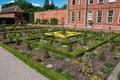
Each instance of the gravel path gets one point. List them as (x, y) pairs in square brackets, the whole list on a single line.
[(12, 68), (113, 75)]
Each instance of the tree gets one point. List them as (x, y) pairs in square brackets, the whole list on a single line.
[(46, 5), (64, 6), (52, 6)]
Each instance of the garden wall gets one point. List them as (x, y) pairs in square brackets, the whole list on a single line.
[(59, 14)]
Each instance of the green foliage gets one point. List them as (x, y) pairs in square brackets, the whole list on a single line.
[(29, 54), (70, 48), (8, 5), (112, 47), (59, 70), (31, 17), (68, 75), (118, 76), (45, 54), (46, 5), (45, 21), (102, 56), (92, 55), (75, 62), (38, 21), (54, 21), (51, 5), (95, 78), (51, 75), (108, 64), (64, 6), (58, 57), (90, 22), (105, 69)]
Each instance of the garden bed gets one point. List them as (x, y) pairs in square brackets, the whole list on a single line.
[(70, 57)]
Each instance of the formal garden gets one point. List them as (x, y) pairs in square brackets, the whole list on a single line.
[(63, 54)]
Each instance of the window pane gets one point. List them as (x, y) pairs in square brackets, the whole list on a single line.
[(89, 15), (100, 1), (73, 16), (73, 2), (79, 16), (91, 1), (99, 16), (111, 0), (80, 2)]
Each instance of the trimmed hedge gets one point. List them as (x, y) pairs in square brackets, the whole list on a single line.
[(79, 51), (51, 75), (83, 50), (50, 48)]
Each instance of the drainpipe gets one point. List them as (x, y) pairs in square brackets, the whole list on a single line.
[(86, 11), (67, 13)]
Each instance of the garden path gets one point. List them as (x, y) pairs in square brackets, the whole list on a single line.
[(11, 68), (113, 75)]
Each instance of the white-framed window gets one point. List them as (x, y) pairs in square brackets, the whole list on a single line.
[(100, 1), (99, 16), (73, 16), (119, 17), (90, 1), (73, 2), (90, 15), (110, 16), (80, 2), (79, 16), (111, 0)]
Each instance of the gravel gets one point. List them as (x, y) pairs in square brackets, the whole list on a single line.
[(11, 68)]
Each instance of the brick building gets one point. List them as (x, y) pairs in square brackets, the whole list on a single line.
[(103, 13), (12, 15), (59, 14)]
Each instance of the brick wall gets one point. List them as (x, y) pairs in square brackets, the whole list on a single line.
[(59, 14), (104, 7)]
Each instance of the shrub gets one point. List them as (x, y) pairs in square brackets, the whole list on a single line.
[(102, 56), (68, 75), (118, 76), (58, 57), (90, 22), (45, 21), (108, 64), (105, 69), (59, 70), (112, 48), (38, 21), (54, 21), (29, 54), (95, 78), (75, 62), (92, 55)]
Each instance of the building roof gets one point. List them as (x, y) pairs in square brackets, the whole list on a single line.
[(11, 9)]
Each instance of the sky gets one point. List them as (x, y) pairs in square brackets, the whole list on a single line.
[(58, 3)]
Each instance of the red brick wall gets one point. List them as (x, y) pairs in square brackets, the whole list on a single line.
[(105, 7), (59, 14)]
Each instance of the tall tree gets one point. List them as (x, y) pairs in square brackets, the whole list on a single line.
[(52, 5), (46, 5), (64, 6)]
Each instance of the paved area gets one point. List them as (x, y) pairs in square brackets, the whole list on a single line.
[(12, 68), (113, 75)]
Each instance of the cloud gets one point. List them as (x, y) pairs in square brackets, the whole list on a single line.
[(0, 7), (12, 1), (34, 4)]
